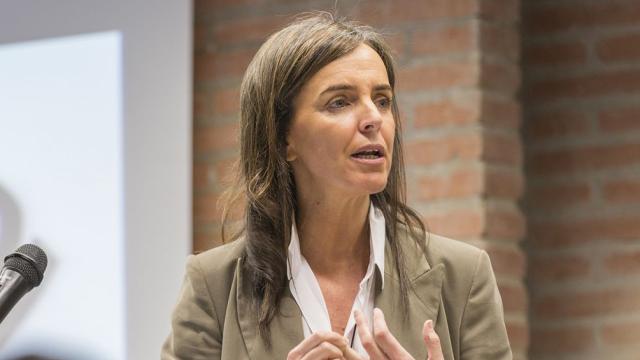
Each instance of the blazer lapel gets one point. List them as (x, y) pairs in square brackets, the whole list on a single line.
[(286, 327), (424, 302)]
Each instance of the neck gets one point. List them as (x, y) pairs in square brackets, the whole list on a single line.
[(334, 235)]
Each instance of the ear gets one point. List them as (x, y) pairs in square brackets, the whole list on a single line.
[(291, 152)]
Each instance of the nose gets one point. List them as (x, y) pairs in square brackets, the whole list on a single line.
[(370, 118)]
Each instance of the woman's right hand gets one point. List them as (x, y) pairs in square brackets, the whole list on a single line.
[(320, 345)]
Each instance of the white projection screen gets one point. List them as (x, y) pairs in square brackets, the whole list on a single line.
[(95, 168), (60, 150)]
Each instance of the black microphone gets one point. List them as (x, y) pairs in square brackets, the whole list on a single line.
[(22, 271)]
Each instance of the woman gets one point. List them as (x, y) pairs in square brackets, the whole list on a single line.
[(331, 263)]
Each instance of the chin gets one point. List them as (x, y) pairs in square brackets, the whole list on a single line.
[(374, 187)]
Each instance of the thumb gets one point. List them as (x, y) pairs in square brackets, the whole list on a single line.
[(432, 340)]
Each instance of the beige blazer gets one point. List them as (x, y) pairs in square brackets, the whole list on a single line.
[(454, 286)]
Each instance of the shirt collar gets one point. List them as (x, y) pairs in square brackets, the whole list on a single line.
[(377, 245)]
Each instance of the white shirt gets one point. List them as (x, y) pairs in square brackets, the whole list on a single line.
[(306, 290)]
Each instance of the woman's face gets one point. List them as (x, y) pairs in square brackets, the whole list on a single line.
[(341, 136)]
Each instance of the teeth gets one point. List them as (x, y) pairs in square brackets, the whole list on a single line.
[(367, 156)]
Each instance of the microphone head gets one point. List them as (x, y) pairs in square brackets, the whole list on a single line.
[(28, 260)]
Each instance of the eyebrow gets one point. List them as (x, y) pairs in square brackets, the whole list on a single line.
[(340, 87)]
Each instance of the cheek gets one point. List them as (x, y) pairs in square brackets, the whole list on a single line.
[(389, 133), (319, 147)]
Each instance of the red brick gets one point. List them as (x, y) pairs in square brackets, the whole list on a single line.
[(225, 170), (398, 42), (622, 191), (502, 149), (504, 183), (514, 298), (437, 76), (200, 176), (619, 119), (504, 114), (215, 138), (402, 11), (222, 64), (206, 210), (226, 101), (585, 304), (201, 105), (447, 111), (460, 183), (500, 40), (507, 260), (587, 158), (502, 77), (518, 336), (456, 147), (563, 53), (203, 66), (553, 196), (562, 340), (619, 48), (623, 333), (545, 269), (504, 224), (588, 85), (558, 18), (500, 10), (449, 39), (623, 263), (457, 224), (199, 37), (558, 123), (206, 239), (248, 29), (557, 234)]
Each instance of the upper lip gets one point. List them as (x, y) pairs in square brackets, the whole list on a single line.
[(371, 147)]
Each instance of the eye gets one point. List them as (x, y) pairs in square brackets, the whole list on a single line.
[(384, 102), (337, 103)]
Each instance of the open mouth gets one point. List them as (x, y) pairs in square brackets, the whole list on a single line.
[(368, 154)]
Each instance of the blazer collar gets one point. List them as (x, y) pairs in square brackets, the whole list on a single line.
[(285, 328), (424, 303)]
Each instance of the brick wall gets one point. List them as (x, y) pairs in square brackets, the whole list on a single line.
[(582, 136), (458, 78)]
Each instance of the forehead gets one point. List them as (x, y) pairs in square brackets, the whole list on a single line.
[(363, 66)]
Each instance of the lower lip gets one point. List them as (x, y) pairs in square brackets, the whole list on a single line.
[(376, 161)]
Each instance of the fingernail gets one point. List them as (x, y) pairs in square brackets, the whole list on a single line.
[(430, 324)]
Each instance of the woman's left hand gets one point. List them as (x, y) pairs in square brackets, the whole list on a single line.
[(382, 345)]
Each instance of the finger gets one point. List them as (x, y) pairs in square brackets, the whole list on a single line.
[(434, 349), (325, 350), (385, 340), (367, 340), (314, 340), (351, 354)]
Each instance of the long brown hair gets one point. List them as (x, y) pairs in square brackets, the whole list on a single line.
[(265, 184)]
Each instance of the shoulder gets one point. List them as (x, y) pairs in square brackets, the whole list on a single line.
[(465, 267), (217, 260), (460, 262), (216, 269), (452, 253)]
